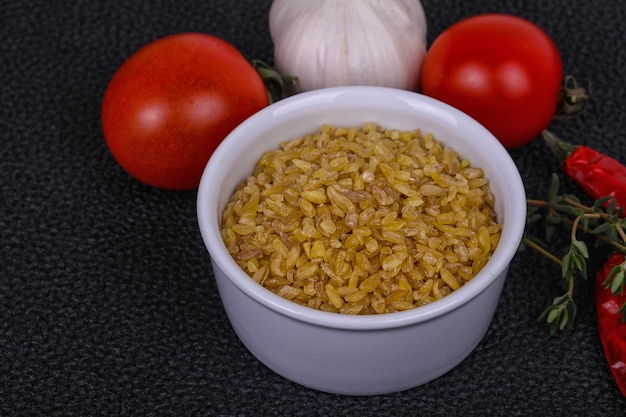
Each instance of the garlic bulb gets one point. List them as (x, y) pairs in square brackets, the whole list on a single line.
[(349, 42)]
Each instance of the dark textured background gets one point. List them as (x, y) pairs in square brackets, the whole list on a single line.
[(107, 303)]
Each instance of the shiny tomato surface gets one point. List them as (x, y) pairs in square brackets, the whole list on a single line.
[(502, 70), (172, 102)]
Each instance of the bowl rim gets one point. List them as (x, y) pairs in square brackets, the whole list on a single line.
[(209, 226)]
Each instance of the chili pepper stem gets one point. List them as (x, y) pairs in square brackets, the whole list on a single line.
[(561, 149)]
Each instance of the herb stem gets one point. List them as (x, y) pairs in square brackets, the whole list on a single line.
[(620, 230), (604, 239), (570, 289), (576, 204), (599, 221), (537, 203), (542, 251), (588, 213), (575, 225)]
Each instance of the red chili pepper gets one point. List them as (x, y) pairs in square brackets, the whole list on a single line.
[(598, 174), (612, 329)]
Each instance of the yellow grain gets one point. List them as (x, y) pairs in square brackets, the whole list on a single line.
[(362, 220)]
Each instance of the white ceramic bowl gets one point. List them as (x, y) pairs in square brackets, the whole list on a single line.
[(359, 355)]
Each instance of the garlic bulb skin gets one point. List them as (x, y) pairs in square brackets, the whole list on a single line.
[(328, 43)]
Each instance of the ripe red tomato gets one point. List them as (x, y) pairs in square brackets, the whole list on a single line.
[(172, 102), (502, 70)]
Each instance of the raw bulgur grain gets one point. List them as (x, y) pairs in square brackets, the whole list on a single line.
[(362, 220)]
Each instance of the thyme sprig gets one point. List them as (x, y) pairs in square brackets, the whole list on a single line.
[(596, 222)]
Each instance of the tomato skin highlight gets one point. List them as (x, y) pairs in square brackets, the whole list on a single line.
[(172, 102), (502, 70)]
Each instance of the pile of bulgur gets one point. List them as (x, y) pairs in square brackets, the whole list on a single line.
[(362, 220)]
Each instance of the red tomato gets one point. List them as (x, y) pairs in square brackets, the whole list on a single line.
[(172, 102), (502, 70)]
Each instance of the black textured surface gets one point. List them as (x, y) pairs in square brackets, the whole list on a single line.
[(107, 303)]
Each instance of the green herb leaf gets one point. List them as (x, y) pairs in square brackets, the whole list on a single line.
[(572, 311), (600, 202), (601, 229), (572, 197), (566, 265), (553, 189), (533, 215), (569, 211), (609, 278), (553, 315), (564, 319), (602, 221), (618, 282), (611, 208), (581, 247)]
